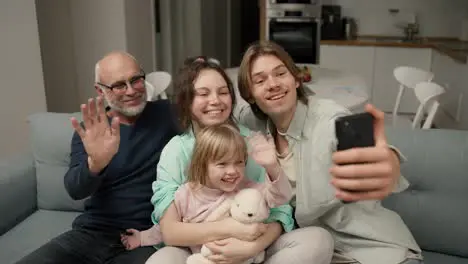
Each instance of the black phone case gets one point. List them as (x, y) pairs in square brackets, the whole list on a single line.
[(354, 131)]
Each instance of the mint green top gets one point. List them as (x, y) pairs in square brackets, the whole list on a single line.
[(171, 169)]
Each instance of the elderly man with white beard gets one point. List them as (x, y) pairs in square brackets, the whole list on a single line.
[(114, 153)]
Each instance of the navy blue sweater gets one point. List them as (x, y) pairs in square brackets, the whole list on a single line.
[(121, 193)]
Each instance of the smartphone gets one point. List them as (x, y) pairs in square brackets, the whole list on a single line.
[(355, 131)]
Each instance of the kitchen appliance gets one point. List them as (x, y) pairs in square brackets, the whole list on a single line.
[(296, 29), (349, 27), (310, 6), (291, 3), (331, 22), (307, 2)]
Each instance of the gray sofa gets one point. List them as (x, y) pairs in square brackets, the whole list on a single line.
[(35, 207)]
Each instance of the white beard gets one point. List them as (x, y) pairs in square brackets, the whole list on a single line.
[(129, 111)]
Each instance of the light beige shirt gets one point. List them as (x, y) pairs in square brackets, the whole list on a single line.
[(288, 164), (364, 231)]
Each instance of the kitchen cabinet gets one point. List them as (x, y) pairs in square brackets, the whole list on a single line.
[(375, 65), (351, 59), (385, 86), (453, 76)]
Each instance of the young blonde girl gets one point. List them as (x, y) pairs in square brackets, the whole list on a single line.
[(216, 172)]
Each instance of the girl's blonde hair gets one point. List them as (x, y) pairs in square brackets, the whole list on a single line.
[(215, 143)]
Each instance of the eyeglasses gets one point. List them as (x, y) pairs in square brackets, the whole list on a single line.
[(136, 82)]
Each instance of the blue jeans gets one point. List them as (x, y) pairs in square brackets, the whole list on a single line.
[(86, 246)]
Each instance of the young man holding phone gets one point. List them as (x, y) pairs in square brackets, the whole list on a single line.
[(303, 127)]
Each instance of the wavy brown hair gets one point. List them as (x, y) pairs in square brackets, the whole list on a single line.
[(255, 51), (185, 90), (213, 144)]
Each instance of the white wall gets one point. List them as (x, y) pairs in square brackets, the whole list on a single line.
[(58, 55), (98, 27), (437, 17), (75, 34), (139, 30), (22, 86)]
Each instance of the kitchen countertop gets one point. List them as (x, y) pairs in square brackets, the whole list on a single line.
[(456, 49)]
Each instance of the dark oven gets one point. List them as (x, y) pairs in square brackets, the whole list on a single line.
[(297, 32)]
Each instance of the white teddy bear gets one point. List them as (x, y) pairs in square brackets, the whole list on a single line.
[(248, 206)]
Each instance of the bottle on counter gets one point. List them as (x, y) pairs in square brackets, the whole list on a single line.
[(349, 28)]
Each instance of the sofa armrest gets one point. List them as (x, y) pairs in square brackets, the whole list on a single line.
[(18, 195)]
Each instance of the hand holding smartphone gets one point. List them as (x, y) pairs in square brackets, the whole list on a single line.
[(354, 131)]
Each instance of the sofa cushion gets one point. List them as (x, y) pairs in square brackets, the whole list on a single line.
[(51, 135), (437, 258), (18, 196), (434, 206), (33, 232)]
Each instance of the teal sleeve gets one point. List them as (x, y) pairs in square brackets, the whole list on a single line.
[(170, 176), (282, 214)]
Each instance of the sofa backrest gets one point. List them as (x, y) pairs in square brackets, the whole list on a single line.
[(434, 206), (51, 135)]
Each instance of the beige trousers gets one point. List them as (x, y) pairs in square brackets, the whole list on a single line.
[(408, 261), (304, 245), (172, 255)]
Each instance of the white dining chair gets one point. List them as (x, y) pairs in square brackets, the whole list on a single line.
[(407, 77), (156, 85), (428, 94)]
